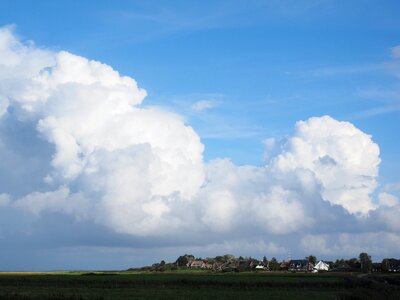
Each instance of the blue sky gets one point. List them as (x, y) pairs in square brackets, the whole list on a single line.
[(238, 72)]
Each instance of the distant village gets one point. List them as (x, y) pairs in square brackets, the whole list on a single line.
[(230, 263)]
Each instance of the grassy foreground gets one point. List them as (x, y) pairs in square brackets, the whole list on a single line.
[(197, 285)]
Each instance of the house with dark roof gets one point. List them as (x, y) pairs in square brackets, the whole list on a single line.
[(342, 267), (394, 266), (300, 265)]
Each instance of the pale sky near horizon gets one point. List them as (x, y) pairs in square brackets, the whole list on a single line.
[(135, 131)]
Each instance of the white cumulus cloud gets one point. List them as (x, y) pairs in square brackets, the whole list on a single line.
[(140, 171), (389, 200), (343, 159), (123, 157)]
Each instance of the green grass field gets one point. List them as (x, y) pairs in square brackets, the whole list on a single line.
[(197, 285)]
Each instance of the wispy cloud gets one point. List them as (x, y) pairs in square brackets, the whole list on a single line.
[(392, 186), (388, 99), (166, 19), (392, 66), (350, 69), (383, 95), (202, 105), (374, 112), (213, 115), (396, 52), (163, 20)]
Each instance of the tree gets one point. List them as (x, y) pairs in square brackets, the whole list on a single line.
[(183, 260), (354, 263), (385, 264), (312, 259), (229, 258), (366, 262), (219, 258), (273, 264)]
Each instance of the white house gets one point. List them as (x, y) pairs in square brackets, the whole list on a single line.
[(260, 267), (321, 266)]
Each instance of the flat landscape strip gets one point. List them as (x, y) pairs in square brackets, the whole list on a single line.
[(97, 285)]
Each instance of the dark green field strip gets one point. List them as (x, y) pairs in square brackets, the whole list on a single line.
[(262, 277), (198, 286), (126, 281), (166, 292), (196, 293)]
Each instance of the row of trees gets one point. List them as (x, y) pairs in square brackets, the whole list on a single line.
[(230, 262)]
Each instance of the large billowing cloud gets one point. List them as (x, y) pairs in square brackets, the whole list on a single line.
[(75, 134), (134, 161), (342, 158)]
